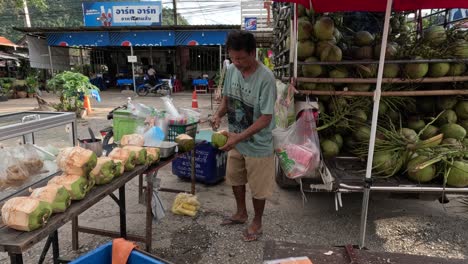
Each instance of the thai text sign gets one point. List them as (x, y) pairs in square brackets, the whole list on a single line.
[(109, 14)]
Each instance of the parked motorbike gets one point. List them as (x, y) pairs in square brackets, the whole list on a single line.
[(108, 132), (159, 88)]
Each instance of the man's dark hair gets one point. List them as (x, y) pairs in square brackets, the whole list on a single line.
[(241, 40)]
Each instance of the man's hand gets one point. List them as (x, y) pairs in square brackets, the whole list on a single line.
[(233, 139), (215, 122)]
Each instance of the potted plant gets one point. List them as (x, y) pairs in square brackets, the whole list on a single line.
[(32, 84), (71, 87), (20, 88)]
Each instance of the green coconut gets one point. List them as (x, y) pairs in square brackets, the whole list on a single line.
[(312, 70), (367, 71), (420, 175), (416, 70), (390, 51), (330, 149), (393, 115), (359, 87), (25, 213), (462, 110), (324, 28), (363, 38), (409, 134), (391, 70), (331, 53), (452, 142), (456, 69), (460, 49), (464, 124), (337, 35), (337, 103), (383, 108), (338, 139), (447, 117), (385, 163), (429, 132), (325, 87), (305, 29), (453, 131), (446, 102), (435, 35), (363, 53), (219, 139), (339, 72), (416, 124), (458, 175), (438, 69), (321, 45), (305, 49), (308, 86), (350, 142), (359, 115), (362, 133)]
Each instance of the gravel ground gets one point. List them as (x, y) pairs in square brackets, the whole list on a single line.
[(394, 225)]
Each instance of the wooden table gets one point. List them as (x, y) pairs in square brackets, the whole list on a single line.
[(16, 242)]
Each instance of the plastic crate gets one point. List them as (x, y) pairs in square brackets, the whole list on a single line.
[(210, 164), (103, 255), (125, 123), (174, 130)]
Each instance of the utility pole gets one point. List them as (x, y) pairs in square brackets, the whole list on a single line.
[(27, 21), (175, 11)]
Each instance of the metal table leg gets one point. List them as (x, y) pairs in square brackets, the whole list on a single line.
[(75, 244), (55, 247), (123, 218), (140, 189), (192, 174), (149, 215), (16, 258), (45, 250)]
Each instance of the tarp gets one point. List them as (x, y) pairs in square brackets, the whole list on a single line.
[(39, 56), (377, 5)]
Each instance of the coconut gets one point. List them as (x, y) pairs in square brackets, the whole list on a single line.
[(464, 124), (453, 131), (363, 38), (416, 70), (383, 108), (462, 110), (331, 53), (429, 132), (363, 53), (386, 163), (391, 70), (439, 69), (305, 49), (359, 115), (460, 49), (359, 87), (324, 28), (446, 102), (338, 103), (321, 45), (452, 142), (426, 104), (329, 148), (338, 139), (311, 70), (458, 175), (393, 115), (447, 117), (420, 175), (390, 51), (362, 133), (367, 71), (409, 134), (308, 86), (325, 87), (416, 124), (305, 29), (435, 35), (337, 35), (339, 72), (456, 69)]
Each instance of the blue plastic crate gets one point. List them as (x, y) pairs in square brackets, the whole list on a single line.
[(210, 164), (103, 255)]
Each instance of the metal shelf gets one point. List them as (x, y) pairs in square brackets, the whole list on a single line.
[(353, 62), (384, 80), (388, 93)]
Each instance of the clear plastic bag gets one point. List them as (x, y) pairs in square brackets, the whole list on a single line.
[(170, 107), (191, 115), (297, 147), (16, 172), (284, 105), (30, 158), (142, 110)]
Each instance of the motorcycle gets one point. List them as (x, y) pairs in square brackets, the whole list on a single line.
[(108, 132), (160, 88)]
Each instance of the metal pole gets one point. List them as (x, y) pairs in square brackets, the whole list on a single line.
[(375, 113), (27, 20), (133, 69), (151, 56), (50, 59), (174, 5)]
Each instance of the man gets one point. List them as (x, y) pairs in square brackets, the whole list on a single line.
[(248, 100), (152, 76)]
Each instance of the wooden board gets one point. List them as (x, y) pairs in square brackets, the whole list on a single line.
[(17, 241), (278, 250)]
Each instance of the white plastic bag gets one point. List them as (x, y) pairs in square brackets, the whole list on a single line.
[(284, 105), (297, 147), (170, 107)]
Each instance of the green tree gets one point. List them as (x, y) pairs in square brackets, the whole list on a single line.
[(168, 17), (19, 4)]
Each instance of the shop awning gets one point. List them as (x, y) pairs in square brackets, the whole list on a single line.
[(6, 42)]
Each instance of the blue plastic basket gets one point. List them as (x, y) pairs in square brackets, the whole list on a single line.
[(103, 255)]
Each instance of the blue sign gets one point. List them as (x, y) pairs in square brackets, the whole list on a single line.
[(78, 39), (110, 14), (142, 38), (250, 23), (195, 38)]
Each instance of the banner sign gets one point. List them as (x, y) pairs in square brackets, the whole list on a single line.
[(108, 14), (250, 23)]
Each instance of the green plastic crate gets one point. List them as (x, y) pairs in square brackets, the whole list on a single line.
[(125, 123), (175, 130)]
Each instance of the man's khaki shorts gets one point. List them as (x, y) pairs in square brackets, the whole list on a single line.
[(258, 172)]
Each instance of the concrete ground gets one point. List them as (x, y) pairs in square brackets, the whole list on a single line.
[(394, 225)]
